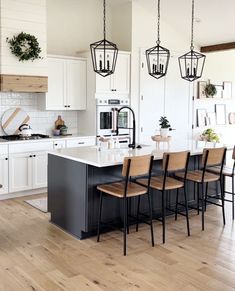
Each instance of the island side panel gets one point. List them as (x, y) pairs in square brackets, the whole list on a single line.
[(67, 194)]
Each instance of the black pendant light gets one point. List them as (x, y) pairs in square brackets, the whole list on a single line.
[(104, 53), (192, 63), (158, 56)]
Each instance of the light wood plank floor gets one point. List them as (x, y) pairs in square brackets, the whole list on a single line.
[(36, 255)]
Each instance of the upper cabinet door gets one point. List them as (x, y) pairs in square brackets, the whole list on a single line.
[(76, 84), (119, 82), (121, 77), (55, 98)]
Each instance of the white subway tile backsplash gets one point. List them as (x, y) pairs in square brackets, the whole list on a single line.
[(40, 121)]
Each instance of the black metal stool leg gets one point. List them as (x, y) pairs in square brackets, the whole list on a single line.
[(206, 195), (222, 198), (233, 197), (163, 218), (125, 224), (176, 205), (186, 208), (127, 218), (151, 217), (203, 219), (198, 199), (138, 212), (99, 217)]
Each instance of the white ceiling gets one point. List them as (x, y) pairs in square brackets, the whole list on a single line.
[(217, 19)]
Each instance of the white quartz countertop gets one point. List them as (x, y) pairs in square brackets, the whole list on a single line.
[(51, 138), (94, 157)]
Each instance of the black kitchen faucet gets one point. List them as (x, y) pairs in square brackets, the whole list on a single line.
[(133, 144)]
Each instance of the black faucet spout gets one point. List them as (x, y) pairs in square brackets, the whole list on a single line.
[(133, 144)]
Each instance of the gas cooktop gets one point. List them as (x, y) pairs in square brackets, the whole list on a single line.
[(16, 137)]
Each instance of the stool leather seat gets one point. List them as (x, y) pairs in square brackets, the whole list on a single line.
[(157, 183), (118, 189), (196, 176)]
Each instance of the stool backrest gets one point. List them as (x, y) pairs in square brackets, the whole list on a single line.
[(136, 166), (213, 157), (175, 161)]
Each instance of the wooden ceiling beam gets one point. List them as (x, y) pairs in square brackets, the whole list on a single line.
[(218, 47)]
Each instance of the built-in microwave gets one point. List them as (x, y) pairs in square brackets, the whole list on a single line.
[(106, 115)]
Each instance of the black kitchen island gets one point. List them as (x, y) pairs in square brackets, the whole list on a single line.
[(74, 173)]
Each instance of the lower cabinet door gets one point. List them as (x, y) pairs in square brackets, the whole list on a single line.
[(40, 170), (3, 174), (20, 172)]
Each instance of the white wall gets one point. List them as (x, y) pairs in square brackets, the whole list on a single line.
[(27, 16), (219, 67), (177, 102), (122, 25), (72, 25)]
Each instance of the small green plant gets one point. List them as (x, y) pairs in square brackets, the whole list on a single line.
[(164, 123), (210, 135), (210, 90)]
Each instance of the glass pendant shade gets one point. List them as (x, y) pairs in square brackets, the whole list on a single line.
[(104, 57), (157, 61), (191, 65), (104, 53)]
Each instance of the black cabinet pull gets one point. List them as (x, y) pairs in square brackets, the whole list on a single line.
[(56, 144), (34, 156), (81, 142), (66, 106), (113, 90), (6, 159), (69, 106), (30, 156)]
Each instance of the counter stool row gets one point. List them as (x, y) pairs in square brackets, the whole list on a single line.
[(138, 180)]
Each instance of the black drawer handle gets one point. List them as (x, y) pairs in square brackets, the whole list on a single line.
[(34, 156), (30, 156), (69, 106), (56, 144), (6, 159), (81, 142)]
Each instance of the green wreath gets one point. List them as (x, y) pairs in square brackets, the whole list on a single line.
[(25, 46)]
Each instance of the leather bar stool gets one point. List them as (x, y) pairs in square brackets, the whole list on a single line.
[(126, 189), (210, 157), (227, 172), (172, 162)]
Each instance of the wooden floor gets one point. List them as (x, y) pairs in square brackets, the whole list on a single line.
[(36, 255)]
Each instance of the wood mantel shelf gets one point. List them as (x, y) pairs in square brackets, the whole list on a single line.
[(23, 83), (218, 47)]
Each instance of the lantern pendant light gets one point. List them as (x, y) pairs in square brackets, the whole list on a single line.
[(192, 63), (158, 56), (104, 53)]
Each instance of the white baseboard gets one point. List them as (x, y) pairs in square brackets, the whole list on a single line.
[(23, 193)]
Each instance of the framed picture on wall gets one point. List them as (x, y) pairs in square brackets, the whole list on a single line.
[(227, 90), (201, 89), (220, 110), (201, 117)]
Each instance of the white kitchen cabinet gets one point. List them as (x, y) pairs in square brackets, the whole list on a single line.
[(20, 172), (39, 173), (4, 174), (119, 82), (66, 84), (81, 142)]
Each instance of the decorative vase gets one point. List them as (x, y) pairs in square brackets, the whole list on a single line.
[(164, 132)]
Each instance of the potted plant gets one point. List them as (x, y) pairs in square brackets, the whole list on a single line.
[(210, 135), (164, 126), (210, 90)]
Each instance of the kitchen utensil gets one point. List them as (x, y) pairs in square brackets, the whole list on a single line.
[(59, 122), (63, 130), (12, 119), (25, 130)]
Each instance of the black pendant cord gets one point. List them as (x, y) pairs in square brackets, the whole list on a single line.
[(158, 24), (104, 19), (192, 31)]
